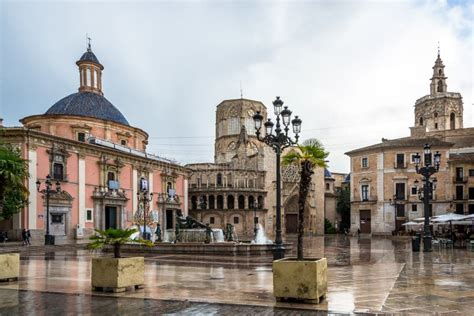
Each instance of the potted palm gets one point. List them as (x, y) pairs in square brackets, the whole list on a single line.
[(302, 278), (116, 273)]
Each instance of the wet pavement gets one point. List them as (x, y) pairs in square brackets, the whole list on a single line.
[(364, 276)]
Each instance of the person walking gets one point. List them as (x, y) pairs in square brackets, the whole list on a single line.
[(24, 236), (28, 237)]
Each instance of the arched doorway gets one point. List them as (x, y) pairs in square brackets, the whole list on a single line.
[(452, 121), (291, 216)]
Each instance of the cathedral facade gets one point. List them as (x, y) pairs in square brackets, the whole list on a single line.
[(238, 188), (383, 188)]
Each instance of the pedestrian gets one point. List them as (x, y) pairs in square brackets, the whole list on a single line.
[(28, 237), (358, 232), (24, 236)]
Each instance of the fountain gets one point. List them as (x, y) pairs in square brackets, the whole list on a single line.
[(193, 237), (218, 235), (260, 238)]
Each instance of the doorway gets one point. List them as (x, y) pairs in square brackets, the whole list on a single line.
[(110, 217), (169, 219), (365, 222), (291, 223)]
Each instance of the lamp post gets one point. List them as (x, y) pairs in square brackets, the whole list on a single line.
[(429, 168), (394, 203), (145, 197), (48, 239), (278, 141)]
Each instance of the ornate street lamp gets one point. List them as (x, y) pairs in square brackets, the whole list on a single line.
[(426, 191), (46, 192), (145, 197), (394, 203), (278, 141)]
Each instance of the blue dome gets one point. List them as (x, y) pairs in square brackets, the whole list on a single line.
[(348, 178), (327, 173), (89, 56), (88, 104)]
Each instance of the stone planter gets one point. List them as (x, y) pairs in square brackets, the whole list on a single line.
[(304, 280), (117, 274), (9, 266)]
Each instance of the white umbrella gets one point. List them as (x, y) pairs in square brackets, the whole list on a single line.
[(449, 217), (411, 223)]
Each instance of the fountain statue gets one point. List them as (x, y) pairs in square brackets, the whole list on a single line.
[(260, 237)]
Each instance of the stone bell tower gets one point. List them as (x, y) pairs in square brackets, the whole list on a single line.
[(231, 116), (440, 110)]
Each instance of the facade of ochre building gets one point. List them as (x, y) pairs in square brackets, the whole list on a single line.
[(383, 191), (239, 187), (86, 144)]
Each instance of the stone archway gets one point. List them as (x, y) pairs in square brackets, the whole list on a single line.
[(291, 216)]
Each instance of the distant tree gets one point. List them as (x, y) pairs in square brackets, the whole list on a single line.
[(343, 207), (307, 156), (13, 176)]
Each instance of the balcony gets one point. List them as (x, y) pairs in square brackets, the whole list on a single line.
[(399, 165), (457, 179), (458, 197), (368, 199)]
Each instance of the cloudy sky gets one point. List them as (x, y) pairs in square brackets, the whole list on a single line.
[(352, 70)]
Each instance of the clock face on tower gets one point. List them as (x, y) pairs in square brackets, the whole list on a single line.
[(251, 112)]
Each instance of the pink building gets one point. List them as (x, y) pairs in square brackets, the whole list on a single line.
[(86, 144)]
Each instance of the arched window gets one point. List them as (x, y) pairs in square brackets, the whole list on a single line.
[(251, 202), (230, 202), (203, 202), (260, 202), (219, 179), (421, 121), (212, 202), (440, 86), (435, 114), (440, 72), (220, 202), (241, 202), (452, 121), (194, 203), (89, 77), (95, 79)]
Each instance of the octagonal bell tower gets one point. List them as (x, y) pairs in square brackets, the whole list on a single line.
[(231, 116), (440, 110)]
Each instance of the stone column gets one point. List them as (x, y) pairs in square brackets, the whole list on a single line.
[(32, 206), (82, 190), (185, 198), (134, 191)]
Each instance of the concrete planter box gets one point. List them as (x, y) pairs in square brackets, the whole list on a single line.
[(117, 274), (9, 266), (304, 280)]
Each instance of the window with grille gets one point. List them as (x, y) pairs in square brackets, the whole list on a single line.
[(365, 162), (81, 137), (365, 192)]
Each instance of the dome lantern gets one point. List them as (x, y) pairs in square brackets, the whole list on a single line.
[(90, 72)]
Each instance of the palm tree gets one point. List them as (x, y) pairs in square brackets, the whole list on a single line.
[(13, 175), (307, 156), (114, 237)]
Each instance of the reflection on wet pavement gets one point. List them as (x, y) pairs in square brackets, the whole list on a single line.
[(366, 275)]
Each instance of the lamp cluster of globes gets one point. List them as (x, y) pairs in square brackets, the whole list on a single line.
[(286, 118)]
